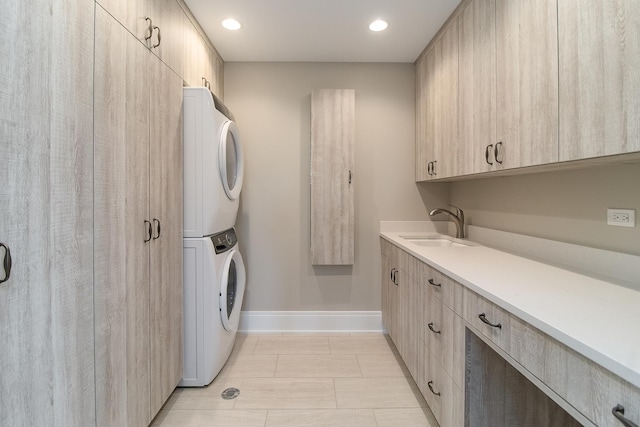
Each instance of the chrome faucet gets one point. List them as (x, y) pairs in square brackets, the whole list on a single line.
[(458, 219)]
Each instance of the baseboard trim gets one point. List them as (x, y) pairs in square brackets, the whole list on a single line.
[(310, 321)]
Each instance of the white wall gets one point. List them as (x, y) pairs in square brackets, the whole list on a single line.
[(568, 206), (271, 102)]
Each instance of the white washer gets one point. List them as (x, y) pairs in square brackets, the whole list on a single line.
[(214, 282), (213, 164)]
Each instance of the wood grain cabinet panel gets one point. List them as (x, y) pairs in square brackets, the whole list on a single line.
[(332, 146), (446, 108), (138, 228), (508, 90), (412, 311), (477, 87), (442, 287), (121, 207), (46, 199), (437, 108), (599, 57), (423, 152), (527, 82), (588, 387), (495, 325), (438, 390), (166, 188), (162, 32)]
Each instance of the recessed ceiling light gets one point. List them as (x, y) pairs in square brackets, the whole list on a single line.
[(378, 25), (231, 24)]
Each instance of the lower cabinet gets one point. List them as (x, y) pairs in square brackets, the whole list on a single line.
[(138, 228), (477, 364)]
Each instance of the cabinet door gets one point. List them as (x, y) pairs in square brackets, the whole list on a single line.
[(424, 147), (169, 18), (477, 87), (446, 103), (195, 56), (437, 108), (527, 82), (599, 80), (46, 197), (121, 207), (131, 14), (218, 72), (332, 211), (166, 247)]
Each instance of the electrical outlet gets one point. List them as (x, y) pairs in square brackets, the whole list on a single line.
[(621, 217)]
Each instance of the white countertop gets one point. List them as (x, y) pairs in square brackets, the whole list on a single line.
[(596, 318)]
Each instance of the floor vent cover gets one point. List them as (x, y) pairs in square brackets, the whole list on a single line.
[(230, 393)]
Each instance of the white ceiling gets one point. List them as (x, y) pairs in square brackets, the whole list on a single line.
[(321, 30)]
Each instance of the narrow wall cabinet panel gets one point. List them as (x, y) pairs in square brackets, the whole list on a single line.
[(138, 224), (437, 108), (425, 102), (332, 146), (121, 207), (527, 82), (477, 87), (599, 81), (446, 108), (46, 198), (166, 251)]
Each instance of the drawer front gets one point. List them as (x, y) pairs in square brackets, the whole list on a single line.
[(444, 336), (445, 400), (442, 287), (487, 318), (588, 387)]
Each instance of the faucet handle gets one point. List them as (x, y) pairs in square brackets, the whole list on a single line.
[(458, 210)]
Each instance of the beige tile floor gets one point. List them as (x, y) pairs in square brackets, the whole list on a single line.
[(305, 380)]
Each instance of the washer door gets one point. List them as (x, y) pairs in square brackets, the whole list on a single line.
[(231, 160), (232, 290)]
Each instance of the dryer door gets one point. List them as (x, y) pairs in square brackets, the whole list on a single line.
[(231, 160), (232, 290)]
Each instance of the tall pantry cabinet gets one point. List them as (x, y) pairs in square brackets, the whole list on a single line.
[(138, 217), (91, 207), (46, 199)]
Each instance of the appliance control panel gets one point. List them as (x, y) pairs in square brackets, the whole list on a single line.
[(225, 241)]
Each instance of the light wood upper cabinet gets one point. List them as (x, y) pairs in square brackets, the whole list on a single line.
[(527, 82), (162, 32), (437, 108), (599, 55), (425, 102), (446, 107), (332, 145), (477, 87), (46, 199), (508, 84)]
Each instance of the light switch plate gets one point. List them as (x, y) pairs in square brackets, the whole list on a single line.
[(621, 217)]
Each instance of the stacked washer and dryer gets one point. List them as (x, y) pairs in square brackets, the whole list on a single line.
[(214, 274)]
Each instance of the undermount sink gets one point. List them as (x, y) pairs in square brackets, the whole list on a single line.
[(436, 242)]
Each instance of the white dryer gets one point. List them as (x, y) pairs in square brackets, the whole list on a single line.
[(213, 164), (214, 282)]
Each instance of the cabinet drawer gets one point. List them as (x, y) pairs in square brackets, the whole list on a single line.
[(587, 386), (444, 398), (442, 287), (486, 317)]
